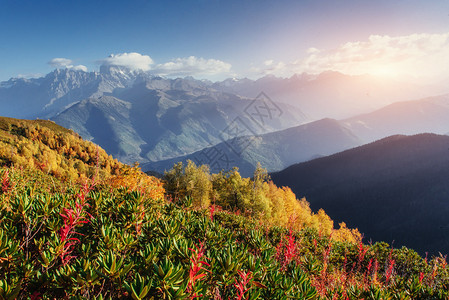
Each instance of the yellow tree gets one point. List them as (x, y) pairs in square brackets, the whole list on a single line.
[(198, 184)]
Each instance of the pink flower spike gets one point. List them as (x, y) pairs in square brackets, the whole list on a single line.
[(197, 269), (212, 210), (73, 217), (242, 284)]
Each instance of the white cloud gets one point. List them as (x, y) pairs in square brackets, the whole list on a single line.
[(425, 55), (60, 62), (192, 66), (65, 63), (133, 61), (80, 68), (186, 66), (30, 75), (402, 54), (312, 50)]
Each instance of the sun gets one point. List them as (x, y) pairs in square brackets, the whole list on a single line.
[(378, 68), (385, 70)]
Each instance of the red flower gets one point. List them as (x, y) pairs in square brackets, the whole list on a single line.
[(6, 183), (198, 261), (242, 284), (73, 217)]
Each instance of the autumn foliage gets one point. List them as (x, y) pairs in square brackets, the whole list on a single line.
[(133, 179), (258, 198), (52, 149)]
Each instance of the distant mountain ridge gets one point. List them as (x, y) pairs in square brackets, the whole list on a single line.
[(331, 94), (395, 189), (137, 116), (275, 151), (153, 120), (46, 96), (429, 115)]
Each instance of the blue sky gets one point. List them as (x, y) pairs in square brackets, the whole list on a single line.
[(217, 39)]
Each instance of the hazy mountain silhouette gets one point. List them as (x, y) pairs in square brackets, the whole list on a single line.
[(331, 94), (429, 115), (274, 151), (395, 189)]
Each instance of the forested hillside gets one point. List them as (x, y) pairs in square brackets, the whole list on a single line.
[(52, 149)]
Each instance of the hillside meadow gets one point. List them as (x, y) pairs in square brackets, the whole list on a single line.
[(77, 224)]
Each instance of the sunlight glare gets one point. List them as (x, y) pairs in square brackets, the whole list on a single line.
[(385, 70)]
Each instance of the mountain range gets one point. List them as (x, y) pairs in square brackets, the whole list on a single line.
[(332, 94), (137, 116), (395, 189), (46, 96), (153, 120)]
